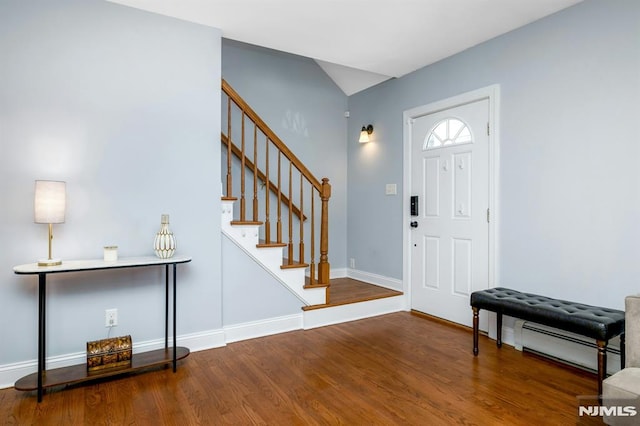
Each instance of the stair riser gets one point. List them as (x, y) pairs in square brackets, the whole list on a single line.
[(247, 234)]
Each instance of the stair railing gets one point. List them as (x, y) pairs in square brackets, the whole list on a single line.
[(293, 186)]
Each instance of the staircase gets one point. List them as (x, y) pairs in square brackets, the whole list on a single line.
[(273, 208)]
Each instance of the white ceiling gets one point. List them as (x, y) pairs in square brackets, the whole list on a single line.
[(360, 43)]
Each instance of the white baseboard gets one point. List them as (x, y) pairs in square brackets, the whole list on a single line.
[(338, 273), (380, 280), (10, 373), (251, 330), (333, 273), (202, 340)]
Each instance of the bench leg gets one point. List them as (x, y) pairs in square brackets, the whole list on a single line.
[(602, 364), (476, 311), (499, 329)]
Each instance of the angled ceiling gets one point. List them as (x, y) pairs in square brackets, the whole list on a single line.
[(360, 43)]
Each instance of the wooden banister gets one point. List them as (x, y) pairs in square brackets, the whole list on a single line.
[(249, 112), (249, 162)]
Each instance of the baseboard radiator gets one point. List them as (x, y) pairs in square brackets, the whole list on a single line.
[(573, 349)]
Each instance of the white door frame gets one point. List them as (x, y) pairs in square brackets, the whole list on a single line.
[(492, 93)]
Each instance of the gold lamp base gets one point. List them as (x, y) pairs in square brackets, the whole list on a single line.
[(49, 262)]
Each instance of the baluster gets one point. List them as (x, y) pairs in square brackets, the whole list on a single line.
[(301, 220), (242, 172), (279, 226), (312, 267), (267, 191), (290, 251), (255, 172), (229, 183)]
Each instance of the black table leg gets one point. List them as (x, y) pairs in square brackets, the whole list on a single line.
[(42, 305), (175, 360), (166, 307)]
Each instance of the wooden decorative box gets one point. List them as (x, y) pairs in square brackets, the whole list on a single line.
[(109, 353)]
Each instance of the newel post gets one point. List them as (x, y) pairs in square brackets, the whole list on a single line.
[(323, 266)]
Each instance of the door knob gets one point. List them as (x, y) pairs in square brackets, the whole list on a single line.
[(414, 224)]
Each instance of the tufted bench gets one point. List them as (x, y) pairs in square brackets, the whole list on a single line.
[(598, 323)]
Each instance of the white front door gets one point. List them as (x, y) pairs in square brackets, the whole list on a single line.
[(450, 235)]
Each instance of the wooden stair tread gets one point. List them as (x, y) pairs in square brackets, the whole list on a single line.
[(244, 222), (307, 286), (228, 198), (293, 265), (263, 243)]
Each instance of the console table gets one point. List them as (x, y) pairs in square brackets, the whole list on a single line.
[(78, 373)]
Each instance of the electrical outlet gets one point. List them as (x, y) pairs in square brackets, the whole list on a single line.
[(352, 263), (110, 317)]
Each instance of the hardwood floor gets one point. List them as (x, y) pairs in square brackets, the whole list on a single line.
[(347, 290), (396, 369)]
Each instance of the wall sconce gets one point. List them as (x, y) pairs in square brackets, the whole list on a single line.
[(49, 208), (364, 133)]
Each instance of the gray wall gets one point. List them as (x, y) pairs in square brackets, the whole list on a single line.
[(569, 179), (305, 108), (249, 293), (124, 106)]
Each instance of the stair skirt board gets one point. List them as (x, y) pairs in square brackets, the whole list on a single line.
[(313, 319), (314, 296), (246, 237), (569, 348), (354, 311), (262, 328)]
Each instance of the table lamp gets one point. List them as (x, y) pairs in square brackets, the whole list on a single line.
[(49, 208)]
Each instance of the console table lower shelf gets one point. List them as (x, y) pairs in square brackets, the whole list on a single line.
[(78, 373)]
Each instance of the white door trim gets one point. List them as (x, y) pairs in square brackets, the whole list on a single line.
[(492, 93)]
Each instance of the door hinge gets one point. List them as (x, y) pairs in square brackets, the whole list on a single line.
[(488, 216), (488, 131)]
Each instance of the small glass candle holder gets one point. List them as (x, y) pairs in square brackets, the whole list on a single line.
[(110, 253)]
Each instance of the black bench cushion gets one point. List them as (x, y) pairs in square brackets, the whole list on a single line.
[(591, 321)]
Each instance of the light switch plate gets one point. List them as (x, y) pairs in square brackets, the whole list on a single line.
[(391, 189)]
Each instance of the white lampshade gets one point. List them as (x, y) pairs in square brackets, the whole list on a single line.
[(50, 201), (364, 136), (364, 133)]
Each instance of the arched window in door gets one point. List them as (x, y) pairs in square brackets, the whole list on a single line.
[(450, 131)]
